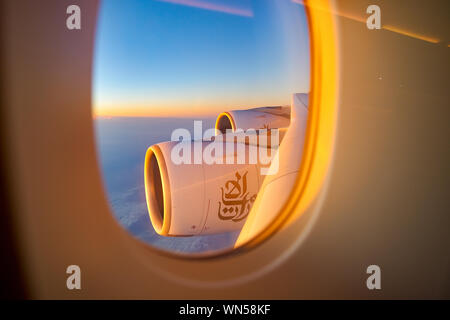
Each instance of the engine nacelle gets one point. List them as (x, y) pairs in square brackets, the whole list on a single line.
[(187, 199), (257, 118)]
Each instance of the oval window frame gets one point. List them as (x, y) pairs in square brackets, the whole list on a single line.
[(191, 268)]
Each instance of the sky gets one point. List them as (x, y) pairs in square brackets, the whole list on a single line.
[(177, 58)]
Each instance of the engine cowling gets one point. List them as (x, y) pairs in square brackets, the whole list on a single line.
[(257, 118), (187, 199)]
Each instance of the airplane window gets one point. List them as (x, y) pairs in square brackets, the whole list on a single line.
[(192, 104)]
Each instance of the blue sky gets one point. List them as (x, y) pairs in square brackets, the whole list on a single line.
[(188, 57)]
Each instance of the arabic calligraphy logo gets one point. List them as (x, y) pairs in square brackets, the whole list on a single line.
[(236, 201)]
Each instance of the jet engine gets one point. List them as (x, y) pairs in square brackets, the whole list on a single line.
[(256, 118)]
